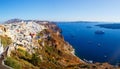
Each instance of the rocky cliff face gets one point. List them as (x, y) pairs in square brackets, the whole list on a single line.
[(39, 45)]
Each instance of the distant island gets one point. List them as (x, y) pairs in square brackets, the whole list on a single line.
[(109, 26), (78, 22)]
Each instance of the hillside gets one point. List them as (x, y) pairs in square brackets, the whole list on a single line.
[(39, 45)]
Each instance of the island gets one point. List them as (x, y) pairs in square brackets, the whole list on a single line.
[(109, 26)]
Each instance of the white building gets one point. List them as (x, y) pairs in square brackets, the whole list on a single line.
[(1, 48)]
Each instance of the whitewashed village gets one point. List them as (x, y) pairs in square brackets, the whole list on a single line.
[(22, 34)]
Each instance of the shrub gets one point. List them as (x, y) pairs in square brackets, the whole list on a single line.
[(13, 63), (84, 66), (24, 54), (35, 60), (5, 40)]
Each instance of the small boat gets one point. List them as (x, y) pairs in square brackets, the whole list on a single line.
[(99, 32), (98, 44), (105, 56)]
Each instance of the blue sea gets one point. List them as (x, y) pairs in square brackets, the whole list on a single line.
[(90, 46)]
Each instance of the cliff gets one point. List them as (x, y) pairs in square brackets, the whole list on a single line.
[(36, 44)]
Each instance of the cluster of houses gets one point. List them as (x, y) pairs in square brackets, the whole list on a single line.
[(22, 33)]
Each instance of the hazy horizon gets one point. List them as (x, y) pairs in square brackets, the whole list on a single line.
[(66, 20), (61, 10)]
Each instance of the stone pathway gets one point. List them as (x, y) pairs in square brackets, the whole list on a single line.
[(2, 66)]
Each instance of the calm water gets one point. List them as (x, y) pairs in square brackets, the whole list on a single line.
[(91, 46)]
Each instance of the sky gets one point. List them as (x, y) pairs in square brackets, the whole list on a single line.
[(61, 10)]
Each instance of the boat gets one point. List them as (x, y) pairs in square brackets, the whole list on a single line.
[(99, 32), (98, 44)]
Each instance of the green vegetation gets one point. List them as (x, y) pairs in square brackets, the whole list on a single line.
[(24, 54), (21, 59), (40, 34), (13, 63), (5, 40), (85, 66), (51, 51), (35, 60)]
